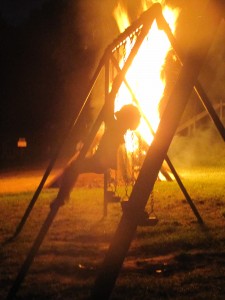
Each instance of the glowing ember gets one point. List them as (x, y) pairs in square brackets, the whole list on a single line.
[(145, 74)]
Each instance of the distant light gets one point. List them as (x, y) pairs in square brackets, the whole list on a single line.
[(22, 143)]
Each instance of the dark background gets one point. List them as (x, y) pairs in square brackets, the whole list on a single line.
[(49, 50)]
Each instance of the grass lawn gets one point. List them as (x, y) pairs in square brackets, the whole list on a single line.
[(176, 259)]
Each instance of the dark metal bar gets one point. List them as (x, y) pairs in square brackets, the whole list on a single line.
[(58, 151), (29, 259), (173, 170), (184, 191), (209, 108), (156, 154), (162, 24)]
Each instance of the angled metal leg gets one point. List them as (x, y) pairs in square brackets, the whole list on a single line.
[(36, 245), (51, 215)]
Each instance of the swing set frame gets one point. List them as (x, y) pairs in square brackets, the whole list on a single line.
[(156, 154)]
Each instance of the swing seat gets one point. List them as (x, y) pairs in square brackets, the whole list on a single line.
[(145, 219), (150, 221), (111, 197)]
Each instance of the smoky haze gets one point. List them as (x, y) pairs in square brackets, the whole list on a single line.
[(203, 147), (96, 25)]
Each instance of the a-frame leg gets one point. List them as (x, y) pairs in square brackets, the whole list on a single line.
[(51, 215)]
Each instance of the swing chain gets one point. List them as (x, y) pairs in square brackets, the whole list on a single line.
[(132, 162), (126, 177), (151, 203), (140, 153), (112, 181)]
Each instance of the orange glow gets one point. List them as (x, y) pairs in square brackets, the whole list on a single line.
[(21, 143), (145, 74)]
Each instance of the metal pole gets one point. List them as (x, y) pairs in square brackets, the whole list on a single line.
[(156, 154), (29, 259)]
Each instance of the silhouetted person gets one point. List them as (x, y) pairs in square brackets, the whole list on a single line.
[(105, 157)]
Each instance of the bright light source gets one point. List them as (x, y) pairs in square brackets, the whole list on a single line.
[(22, 143)]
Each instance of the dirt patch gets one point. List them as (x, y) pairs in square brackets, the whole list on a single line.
[(28, 180)]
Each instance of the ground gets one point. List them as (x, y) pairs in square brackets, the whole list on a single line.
[(176, 259)]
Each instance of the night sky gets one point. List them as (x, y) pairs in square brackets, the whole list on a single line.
[(48, 53), (17, 12), (41, 55)]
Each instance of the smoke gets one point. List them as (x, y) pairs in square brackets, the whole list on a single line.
[(215, 67), (96, 24), (205, 147), (85, 29)]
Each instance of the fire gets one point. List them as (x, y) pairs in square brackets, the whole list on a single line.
[(145, 76), (121, 17)]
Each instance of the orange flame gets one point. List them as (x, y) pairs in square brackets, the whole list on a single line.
[(145, 74), (121, 17)]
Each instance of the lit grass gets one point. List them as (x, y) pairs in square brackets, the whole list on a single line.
[(176, 259)]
